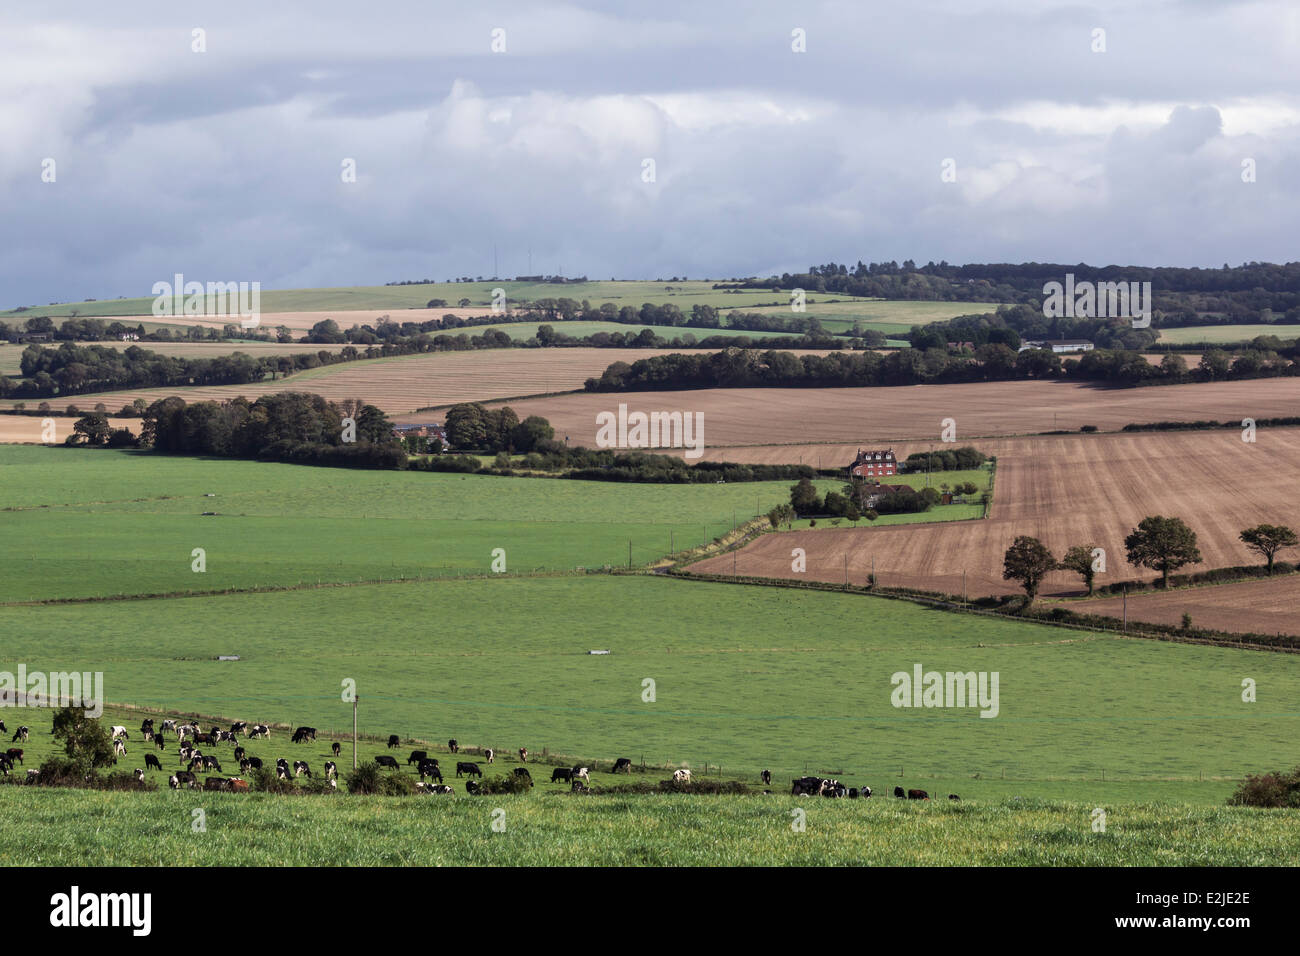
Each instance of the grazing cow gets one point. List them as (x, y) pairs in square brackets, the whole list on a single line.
[(32, 775), (682, 776), (151, 761), (169, 725), (245, 766), (5, 765), (239, 727), (254, 763), (577, 786), (898, 792), (490, 754), (216, 783), (204, 739), (440, 788), (429, 768), (469, 768), (240, 753), (119, 748), (471, 787), (160, 741), (173, 782), (331, 770), (119, 731), (20, 734), (196, 763), (386, 761), (834, 788), (300, 767), (917, 795), (259, 730), (211, 763), (3, 728), (853, 793), (561, 773), (184, 777), (303, 734), (237, 785), (623, 765), (523, 772), (336, 748), (14, 753), (523, 755), (807, 787), (417, 757), (146, 726), (864, 792), (953, 796), (580, 773), (282, 765), (139, 774), (766, 776), (453, 746), (393, 741), (185, 752)]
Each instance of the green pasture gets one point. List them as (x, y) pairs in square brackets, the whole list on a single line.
[(1226, 334), (79, 827)]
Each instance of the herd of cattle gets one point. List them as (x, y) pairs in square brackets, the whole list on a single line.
[(190, 736)]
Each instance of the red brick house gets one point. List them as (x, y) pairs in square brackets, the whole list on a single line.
[(874, 464)]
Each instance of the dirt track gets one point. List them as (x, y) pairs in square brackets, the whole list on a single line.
[(1066, 490)]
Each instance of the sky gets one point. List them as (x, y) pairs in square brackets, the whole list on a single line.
[(635, 140)]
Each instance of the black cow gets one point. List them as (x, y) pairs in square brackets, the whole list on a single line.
[(254, 763), (14, 753), (386, 761), (807, 786), (5, 765), (853, 793), (864, 792), (623, 765), (898, 792), (336, 748), (523, 772), (146, 726), (834, 788), (416, 757), (561, 773), (453, 746), (185, 778), (159, 741), (211, 763), (953, 796), (151, 761), (471, 787), (303, 734), (470, 768), (917, 795), (393, 741), (766, 776), (429, 768), (240, 753)]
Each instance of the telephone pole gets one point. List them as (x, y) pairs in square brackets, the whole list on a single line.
[(354, 731)]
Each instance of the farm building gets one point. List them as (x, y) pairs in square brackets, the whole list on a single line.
[(428, 430), (872, 493), (1059, 346), (874, 464)]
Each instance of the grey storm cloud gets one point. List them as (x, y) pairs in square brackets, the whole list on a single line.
[(226, 164)]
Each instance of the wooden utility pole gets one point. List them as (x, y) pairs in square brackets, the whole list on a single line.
[(1126, 607), (629, 554), (963, 586), (354, 731)]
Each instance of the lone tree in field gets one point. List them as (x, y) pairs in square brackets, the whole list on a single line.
[(1079, 559), (85, 740), (1162, 544), (804, 498), (1267, 540), (1027, 561)]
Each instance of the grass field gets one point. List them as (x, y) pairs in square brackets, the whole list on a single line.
[(71, 828), (82, 523), (1226, 334)]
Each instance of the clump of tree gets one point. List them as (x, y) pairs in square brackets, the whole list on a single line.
[(965, 458), (1267, 540), (1080, 560), (471, 425), (1028, 561), (1162, 544), (1274, 790)]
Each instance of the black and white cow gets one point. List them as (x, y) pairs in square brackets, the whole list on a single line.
[(138, 773), (119, 731), (146, 726), (300, 767), (441, 788), (303, 734), (335, 748), (470, 786), (623, 765), (239, 727), (766, 775), (282, 769), (429, 768), (119, 748), (259, 730), (523, 755), (489, 754), (331, 770), (21, 734), (186, 778)]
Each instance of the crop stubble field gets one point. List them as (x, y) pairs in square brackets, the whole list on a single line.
[(1067, 490)]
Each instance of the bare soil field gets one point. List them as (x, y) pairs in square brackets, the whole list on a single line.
[(405, 383), (1270, 606), (847, 416), (1064, 490)]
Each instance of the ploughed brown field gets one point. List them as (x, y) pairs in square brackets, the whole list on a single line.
[(403, 384), (1269, 606), (844, 416), (1065, 491)]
